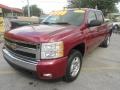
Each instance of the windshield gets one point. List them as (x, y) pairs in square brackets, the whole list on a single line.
[(71, 17)]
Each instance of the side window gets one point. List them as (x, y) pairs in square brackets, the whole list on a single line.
[(100, 16), (91, 16)]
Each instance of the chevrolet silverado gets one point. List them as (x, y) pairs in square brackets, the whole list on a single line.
[(56, 47)]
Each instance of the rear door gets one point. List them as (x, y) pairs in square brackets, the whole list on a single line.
[(91, 32), (102, 29)]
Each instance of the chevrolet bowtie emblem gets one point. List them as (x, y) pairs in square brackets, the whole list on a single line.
[(13, 46)]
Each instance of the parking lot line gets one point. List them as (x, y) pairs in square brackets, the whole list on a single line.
[(95, 69), (84, 69), (4, 72)]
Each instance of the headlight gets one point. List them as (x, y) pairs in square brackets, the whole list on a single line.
[(52, 50)]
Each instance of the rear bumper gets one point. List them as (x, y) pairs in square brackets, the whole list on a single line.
[(46, 69)]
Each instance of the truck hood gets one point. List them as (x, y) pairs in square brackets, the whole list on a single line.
[(41, 33)]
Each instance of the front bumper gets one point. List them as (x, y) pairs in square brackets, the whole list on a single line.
[(27, 65), (52, 69), (46, 69)]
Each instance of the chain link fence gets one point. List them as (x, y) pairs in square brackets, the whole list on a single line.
[(6, 26), (1, 38)]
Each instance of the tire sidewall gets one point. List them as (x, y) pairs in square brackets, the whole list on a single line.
[(106, 41), (74, 54)]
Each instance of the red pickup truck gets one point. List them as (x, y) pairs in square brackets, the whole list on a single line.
[(55, 48)]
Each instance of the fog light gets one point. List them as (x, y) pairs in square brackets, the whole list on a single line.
[(47, 75)]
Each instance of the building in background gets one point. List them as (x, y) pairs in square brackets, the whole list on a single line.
[(2, 28), (10, 12), (6, 14)]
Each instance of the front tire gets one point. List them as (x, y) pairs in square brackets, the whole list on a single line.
[(74, 66)]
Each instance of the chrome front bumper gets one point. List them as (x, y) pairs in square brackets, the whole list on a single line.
[(19, 62)]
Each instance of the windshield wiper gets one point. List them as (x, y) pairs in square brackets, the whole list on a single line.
[(46, 22), (62, 23)]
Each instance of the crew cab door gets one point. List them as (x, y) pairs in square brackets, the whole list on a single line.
[(102, 29), (92, 32)]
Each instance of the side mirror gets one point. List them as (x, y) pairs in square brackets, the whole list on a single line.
[(94, 23)]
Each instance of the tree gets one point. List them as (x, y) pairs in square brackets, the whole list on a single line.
[(34, 10), (107, 6)]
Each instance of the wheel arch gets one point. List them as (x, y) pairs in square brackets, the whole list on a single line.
[(80, 47)]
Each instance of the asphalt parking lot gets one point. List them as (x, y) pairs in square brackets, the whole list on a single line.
[(100, 71)]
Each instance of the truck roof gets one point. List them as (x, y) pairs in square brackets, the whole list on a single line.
[(74, 9), (80, 10)]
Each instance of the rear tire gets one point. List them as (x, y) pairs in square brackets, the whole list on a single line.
[(106, 43), (74, 66)]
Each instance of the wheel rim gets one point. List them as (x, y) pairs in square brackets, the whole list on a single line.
[(108, 41), (75, 67)]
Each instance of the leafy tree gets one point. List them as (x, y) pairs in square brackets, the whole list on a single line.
[(107, 6), (34, 10)]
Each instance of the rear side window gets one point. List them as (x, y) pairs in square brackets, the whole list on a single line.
[(100, 16), (91, 16)]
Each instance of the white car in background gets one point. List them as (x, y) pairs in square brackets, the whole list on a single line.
[(110, 23), (116, 23)]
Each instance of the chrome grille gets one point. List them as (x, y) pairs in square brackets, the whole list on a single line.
[(34, 46), (23, 50)]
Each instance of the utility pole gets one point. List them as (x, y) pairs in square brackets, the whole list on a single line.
[(12, 13), (28, 5), (96, 6)]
